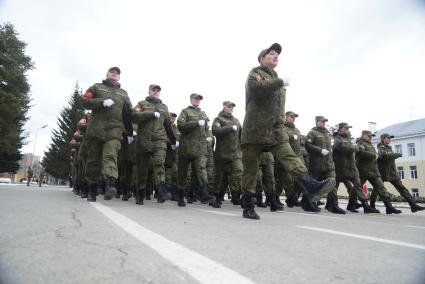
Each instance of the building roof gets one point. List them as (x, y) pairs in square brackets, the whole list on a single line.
[(413, 127)]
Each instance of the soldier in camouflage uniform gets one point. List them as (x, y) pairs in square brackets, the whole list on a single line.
[(319, 147), (346, 170), (228, 155), (266, 182), (193, 125), (154, 131), (263, 130), (110, 119), (171, 160), (389, 173), (368, 169)]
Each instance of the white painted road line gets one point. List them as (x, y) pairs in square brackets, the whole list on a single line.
[(397, 243), (196, 265), (217, 212), (416, 227)]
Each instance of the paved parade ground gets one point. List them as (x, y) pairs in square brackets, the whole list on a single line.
[(50, 235)]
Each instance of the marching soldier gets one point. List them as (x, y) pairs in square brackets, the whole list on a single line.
[(368, 169), (389, 173), (263, 131), (154, 130), (171, 160), (346, 170), (110, 119)]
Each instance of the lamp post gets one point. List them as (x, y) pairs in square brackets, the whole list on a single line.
[(35, 142)]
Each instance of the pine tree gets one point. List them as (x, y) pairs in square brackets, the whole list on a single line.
[(14, 97), (56, 158)]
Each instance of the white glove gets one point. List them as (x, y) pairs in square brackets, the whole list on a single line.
[(174, 147), (177, 144), (235, 127), (157, 114), (286, 81), (130, 139), (209, 139), (201, 122), (325, 152), (108, 103), (134, 133)]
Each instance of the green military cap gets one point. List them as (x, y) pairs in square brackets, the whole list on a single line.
[(291, 113), (321, 118), (275, 46), (172, 114), (195, 96), (114, 69), (228, 104), (344, 124), (154, 87), (386, 135), (368, 133)]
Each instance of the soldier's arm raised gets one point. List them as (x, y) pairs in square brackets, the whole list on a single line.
[(138, 115), (89, 100), (186, 126), (344, 146), (218, 130), (364, 153), (386, 154), (309, 146), (259, 86)]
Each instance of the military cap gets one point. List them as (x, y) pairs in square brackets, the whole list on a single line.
[(321, 118), (291, 113), (275, 46), (386, 135), (344, 124), (194, 96), (172, 114), (153, 87), (368, 133), (228, 103), (114, 69)]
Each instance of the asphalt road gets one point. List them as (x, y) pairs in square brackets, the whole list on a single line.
[(49, 235)]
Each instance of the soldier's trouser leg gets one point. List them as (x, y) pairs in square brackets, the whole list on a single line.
[(183, 166), (280, 179), (219, 176), (259, 186), (142, 161), (251, 162), (378, 185), (199, 166), (110, 158), (322, 175), (234, 171), (284, 155), (158, 159), (211, 179), (357, 188), (268, 179), (94, 161), (402, 190)]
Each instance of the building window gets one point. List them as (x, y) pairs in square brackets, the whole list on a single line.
[(398, 149), (401, 172), (415, 193), (413, 172), (411, 149)]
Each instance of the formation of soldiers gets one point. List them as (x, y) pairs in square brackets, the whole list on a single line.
[(121, 150)]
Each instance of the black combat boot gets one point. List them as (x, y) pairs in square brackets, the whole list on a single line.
[(390, 209), (125, 194), (205, 197), (189, 197), (162, 193), (316, 189), (148, 194), (309, 206), (351, 206), (216, 203), (110, 190), (180, 201), (221, 196), (267, 201), (174, 195), (248, 203), (274, 206), (332, 205), (84, 190), (260, 202), (278, 200), (289, 201), (236, 198), (368, 209), (92, 192), (372, 203), (140, 196), (415, 207)]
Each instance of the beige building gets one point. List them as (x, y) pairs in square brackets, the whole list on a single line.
[(409, 140)]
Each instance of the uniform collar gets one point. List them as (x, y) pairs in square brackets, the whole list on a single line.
[(111, 83)]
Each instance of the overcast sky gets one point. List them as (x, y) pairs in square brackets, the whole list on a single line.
[(354, 61)]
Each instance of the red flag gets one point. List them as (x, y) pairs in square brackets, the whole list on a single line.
[(365, 189)]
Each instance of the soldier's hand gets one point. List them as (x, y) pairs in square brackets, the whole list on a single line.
[(174, 147), (209, 139), (134, 133), (325, 152), (286, 81), (399, 155), (108, 103), (157, 114), (177, 144), (201, 122), (235, 127), (130, 139)]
